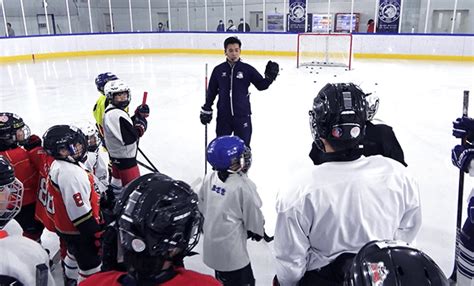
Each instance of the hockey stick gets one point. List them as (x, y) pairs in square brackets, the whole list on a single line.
[(148, 160), (152, 168), (145, 95), (147, 167), (453, 277), (55, 259), (205, 126)]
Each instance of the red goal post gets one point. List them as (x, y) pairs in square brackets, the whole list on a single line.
[(314, 49)]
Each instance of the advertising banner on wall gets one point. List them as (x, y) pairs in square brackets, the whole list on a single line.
[(275, 23), (388, 16), (297, 16)]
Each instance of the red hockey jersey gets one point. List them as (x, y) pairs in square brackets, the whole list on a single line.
[(42, 162), (184, 277), (25, 172)]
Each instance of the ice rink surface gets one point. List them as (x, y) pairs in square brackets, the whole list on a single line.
[(419, 99)]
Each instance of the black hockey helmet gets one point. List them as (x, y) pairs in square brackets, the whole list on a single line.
[(158, 215), (13, 129), (393, 263), (338, 115), (60, 138), (11, 192)]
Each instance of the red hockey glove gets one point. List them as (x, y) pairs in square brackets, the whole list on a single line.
[(32, 142)]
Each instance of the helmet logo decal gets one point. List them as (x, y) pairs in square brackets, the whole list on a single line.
[(336, 132), (378, 273), (138, 245), (355, 131)]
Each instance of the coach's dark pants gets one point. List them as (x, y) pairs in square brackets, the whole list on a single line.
[(238, 126)]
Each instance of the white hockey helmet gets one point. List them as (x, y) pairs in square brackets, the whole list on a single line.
[(372, 105), (90, 130), (117, 87)]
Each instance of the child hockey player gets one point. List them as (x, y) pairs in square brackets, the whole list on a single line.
[(13, 132), (231, 207), (24, 262)]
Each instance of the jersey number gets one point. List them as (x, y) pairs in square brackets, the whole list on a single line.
[(45, 198), (218, 190)]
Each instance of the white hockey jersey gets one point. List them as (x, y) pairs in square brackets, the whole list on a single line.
[(21, 255), (229, 209), (96, 165), (338, 207), (119, 134)]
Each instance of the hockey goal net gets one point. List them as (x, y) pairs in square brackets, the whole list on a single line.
[(324, 50)]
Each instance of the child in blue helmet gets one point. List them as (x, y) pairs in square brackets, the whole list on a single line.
[(231, 206)]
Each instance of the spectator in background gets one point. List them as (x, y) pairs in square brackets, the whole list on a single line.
[(231, 27), (220, 26), (241, 26), (370, 26), (11, 32), (161, 28)]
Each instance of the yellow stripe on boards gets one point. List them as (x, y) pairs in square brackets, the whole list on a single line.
[(18, 58)]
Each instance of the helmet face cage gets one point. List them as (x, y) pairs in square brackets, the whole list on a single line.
[(372, 105), (11, 196), (247, 159), (115, 88), (155, 221), (102, 79)]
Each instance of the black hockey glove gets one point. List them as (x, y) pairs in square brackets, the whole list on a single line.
[(271, 70), (143, 111), (253, 236), (140, 123), (206, 115), (107, 199), (32, 142)]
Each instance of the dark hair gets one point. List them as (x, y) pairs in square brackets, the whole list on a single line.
[(230, 41), (9, 25), (370, 21)]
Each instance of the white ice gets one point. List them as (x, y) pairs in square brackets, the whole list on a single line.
[(419, 99)]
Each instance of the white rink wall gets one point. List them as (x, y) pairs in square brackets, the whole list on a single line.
[(364, 45)]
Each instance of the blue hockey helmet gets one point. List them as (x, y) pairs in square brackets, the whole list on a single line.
[(226, 151), (102, 79)]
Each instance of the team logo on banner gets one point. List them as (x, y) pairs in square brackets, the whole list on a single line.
[(389, 11), (297, 16), (297, 12)]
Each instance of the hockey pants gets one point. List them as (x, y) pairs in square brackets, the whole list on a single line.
[(240, 277), (465, 257), (84, 251), (331, 274), (238, 126)]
